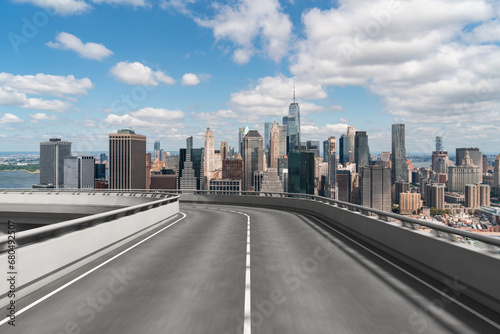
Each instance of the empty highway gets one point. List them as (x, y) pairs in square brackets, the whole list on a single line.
[(215, 267)]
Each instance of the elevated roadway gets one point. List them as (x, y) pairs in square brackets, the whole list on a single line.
[(190, 276)]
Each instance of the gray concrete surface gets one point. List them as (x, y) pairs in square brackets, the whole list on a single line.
[(190, 278)]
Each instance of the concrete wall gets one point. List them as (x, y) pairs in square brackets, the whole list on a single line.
[(440, 258), (43, 262)]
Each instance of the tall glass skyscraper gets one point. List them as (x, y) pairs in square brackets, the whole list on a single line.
[(399, 171), (253, 158), (344, 144), (293, 128), (361, 150), (301, 172)]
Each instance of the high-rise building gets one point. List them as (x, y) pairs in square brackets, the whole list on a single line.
[(231, 152), (127, 156), (223, 150), (313, 146), (188, 180), (100, 171), (157, 150), (271, 181), (293, 124), (232, 169), (472, 195), (375, 187), (344, 149), (241, 134), (332, 167), (267, 136), (484, 195), (351, 134), (486, 166), (409, 203), (496, 172), (440, 162), (103, 157), (399, 171), (282, 140), (208, 157), (475, 154), (400, 187), (253, 158), (434, 196), (79, 172), (477, 195), (343, 178), (52, 154), (148, 170), (465, 173), (361, 150), (325, 150), (301, 172), (439, 144), (274, 148)]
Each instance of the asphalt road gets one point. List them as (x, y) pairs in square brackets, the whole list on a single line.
[(305, 278)]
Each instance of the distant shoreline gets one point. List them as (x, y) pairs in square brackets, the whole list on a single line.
[(20, 170)]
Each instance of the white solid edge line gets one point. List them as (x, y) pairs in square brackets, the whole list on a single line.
[(479, 315), (247, 320), (89, 272)]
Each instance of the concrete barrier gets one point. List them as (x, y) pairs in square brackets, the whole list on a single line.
[(442, 259), (43, 262)]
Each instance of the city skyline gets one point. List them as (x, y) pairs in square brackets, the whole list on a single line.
[(67, 79)]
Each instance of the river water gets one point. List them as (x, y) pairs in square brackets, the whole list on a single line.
[(18, 179)]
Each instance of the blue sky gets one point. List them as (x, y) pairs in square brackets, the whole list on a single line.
[(81, 69)]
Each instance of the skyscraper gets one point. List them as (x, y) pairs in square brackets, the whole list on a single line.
[(301, 172), (434, 197), (190, 170), (459, 176), (187, 178), (157, 154), (79, 172), (127, 160), (102, 158), (332, 164), (496, 172), (344, 149), (375, 187), (241, 133), (361, 150), (325, 151), (223, 150), (351, 135), (399, 171), (439, 143), (209, 156), (52, 154), (282, 140), (253, 158), (267, 135), (293, 123), (274, 149), (313, 146), (475, 154)]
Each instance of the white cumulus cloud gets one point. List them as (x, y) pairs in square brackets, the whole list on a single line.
[(272, 95), (61, 7), (190, 79), (66, 41), (10, 119), (138, 74), (248, 22)]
